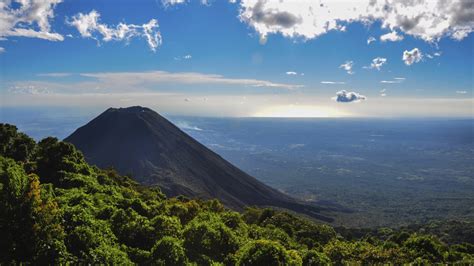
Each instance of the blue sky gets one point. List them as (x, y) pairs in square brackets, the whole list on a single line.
[(239, 59)]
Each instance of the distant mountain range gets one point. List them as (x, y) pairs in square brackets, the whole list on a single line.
[(139, 142)]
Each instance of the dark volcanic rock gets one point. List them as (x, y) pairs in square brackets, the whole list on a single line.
[(140, 142)]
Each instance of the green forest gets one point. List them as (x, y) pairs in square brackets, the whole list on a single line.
[(55, 208)]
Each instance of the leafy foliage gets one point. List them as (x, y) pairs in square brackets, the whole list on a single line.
[(55, 208)]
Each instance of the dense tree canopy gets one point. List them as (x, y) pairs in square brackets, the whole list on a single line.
[(55, 208)]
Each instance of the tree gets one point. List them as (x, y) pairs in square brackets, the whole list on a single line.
[(14, 144), (207, 235), (168, 251), (133, 229), (54, 158), (424, 247), (30, 219), (315, 258), (263, 252), (166, 226)]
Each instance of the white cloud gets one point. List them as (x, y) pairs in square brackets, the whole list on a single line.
[(461, 92), (391, 36), (347, 97), (28, 89), (291, 73), (371, 40), (377, 63), (186, 125), (431, 56), (2, 50), (89, 26), (333, 82), (429, 20), (184, 57), (394, 81), (28, 18), (54, 75), (411, 57), (347, 66), (168, 3), (113, 82)]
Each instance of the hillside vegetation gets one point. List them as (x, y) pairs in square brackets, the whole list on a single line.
[(55, 208)]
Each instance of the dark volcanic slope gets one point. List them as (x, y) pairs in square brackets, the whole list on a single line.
[(140, 142)]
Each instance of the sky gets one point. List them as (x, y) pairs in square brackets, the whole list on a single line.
[(274, 58)]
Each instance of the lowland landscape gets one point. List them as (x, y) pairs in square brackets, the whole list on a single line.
[(58, 208)]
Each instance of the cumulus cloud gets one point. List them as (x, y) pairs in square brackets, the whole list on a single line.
[(348, 97), (347, 66), (411, 57), (391, 37), (371, 40), (28, 18), (89, 26), (377, 63), (291, 73), (429, 20)]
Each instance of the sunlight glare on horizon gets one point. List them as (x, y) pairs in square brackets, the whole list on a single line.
[(299, 111)]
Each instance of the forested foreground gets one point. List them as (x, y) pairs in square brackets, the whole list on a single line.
[(55, 208)]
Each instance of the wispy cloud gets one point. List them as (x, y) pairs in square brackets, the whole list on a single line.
[(113, 82), (54, 75), (184, 57), (377, 63), (347, 66), (291, 73), (370, 40), (333, 82), (135, 78), (393, 81)]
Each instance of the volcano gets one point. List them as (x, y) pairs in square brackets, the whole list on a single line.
[(139, 142)]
